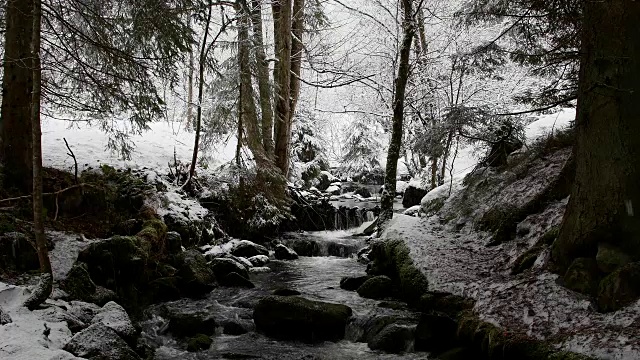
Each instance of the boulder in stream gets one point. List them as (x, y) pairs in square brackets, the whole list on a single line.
[(247, 249), (100, 342), (394, 338), (233, 279), (296, 318), (186, 321), (377, 287), (435, 333), (199, 342), (259, 260), (352, 283), (223, 266), (286, 292), (284, 253), (198, 279)]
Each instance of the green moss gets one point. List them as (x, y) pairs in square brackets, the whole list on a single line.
[(583, 276), (433, 206), (526, 260), (199, 342), (496, 343), (550, 236), (620, 288), (502, 222), (154, 231)]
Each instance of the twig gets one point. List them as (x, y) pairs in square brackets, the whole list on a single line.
[(75, 162), (50, 193)]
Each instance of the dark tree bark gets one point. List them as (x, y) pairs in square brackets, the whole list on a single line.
[(282, 35), (264, 88), (395, 144), (605, 200), (15, 118), (44, 288), (253, 139)]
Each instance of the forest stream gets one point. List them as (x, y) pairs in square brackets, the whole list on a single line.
[(316, 278)]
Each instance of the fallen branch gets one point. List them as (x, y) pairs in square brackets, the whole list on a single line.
[(56, 193), (75, 161)]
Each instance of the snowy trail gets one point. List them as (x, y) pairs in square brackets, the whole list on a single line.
[(530, 303)]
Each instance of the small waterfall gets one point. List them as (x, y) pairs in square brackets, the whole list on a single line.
[(369, 215)]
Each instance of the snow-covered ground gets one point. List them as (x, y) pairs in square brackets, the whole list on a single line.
[(153, 148)]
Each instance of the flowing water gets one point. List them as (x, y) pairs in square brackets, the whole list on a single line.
[(317, 278)]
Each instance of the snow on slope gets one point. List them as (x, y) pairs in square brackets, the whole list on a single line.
[(153, 148)]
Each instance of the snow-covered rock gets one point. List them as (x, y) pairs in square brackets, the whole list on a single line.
[(259, 260), (246, 248), (100, 342), (333, 190), (412, 211), (284, 253), (114, 316)]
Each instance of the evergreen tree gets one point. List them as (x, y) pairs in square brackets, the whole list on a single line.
[(101, 60)]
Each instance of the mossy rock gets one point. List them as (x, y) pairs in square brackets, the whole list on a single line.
[(155, 232), (550, 236), (433, 206), (610, 258), (494, 343), (197, 276), (78, 283), (198, 343), (394, 338), (391, 258), (620, 288), (443, 302), (435, 333), (526, 260), (583, 276), (296, 318), (377, 287)]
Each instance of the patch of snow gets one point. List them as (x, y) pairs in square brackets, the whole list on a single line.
[(153, 149), (413, 211), (24, 338), (332, 189), (67, 246)]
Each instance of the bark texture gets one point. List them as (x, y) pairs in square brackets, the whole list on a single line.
[(605, 200), (262, 72), (282, 13), (398, 114), (38, 208), (15, 116)]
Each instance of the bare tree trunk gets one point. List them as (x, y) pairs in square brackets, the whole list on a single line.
[(196, 145), (297, 29), (282, 36), (264, 87), (434, 172), (250, 121), (15, 118), (395, 145), (605, 199), (190, 92), (45, 286), (445, 156)]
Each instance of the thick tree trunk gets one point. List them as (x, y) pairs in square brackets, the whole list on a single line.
[(605, 200), (282, 35), (264, 87), (196, 145), (38, 208), (395, 145), (254, 140), (15, 118)]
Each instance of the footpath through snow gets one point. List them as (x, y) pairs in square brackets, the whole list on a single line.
[(531, 303)]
